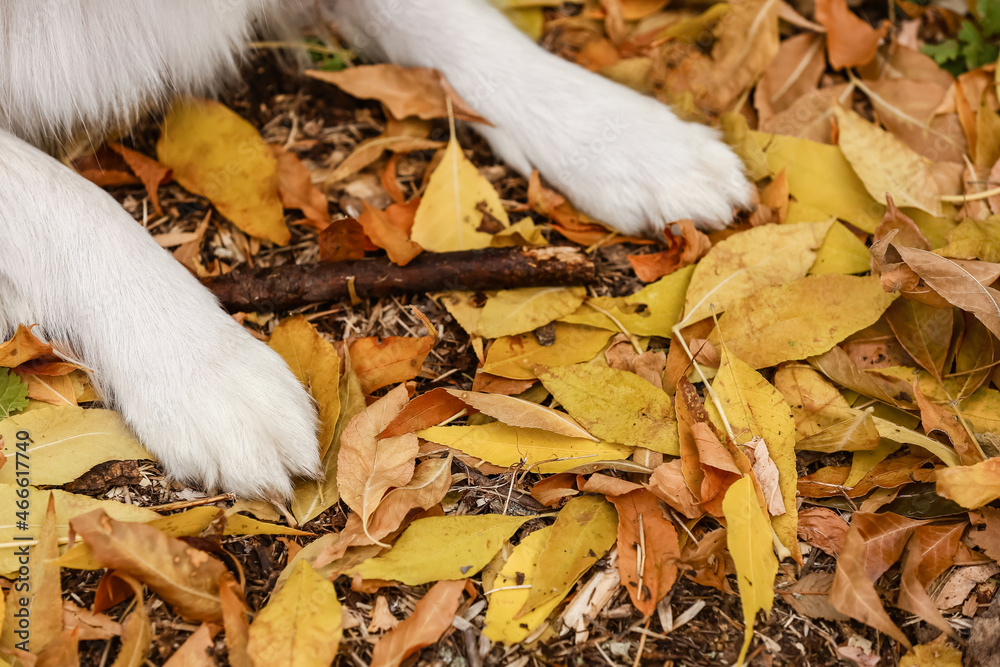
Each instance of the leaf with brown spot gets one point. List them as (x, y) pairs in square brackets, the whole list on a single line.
[(185, 577), (22, 347)]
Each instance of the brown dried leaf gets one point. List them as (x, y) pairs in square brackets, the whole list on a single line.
[(415, 91), (850, 41), (823, 528), (931, 551), (296, 189), (430, 619), (647, 549), (518, 412), (185, 577), (381, 362), (874, 542), (794, 72), (423, 411), (667, 483), (368, 465)]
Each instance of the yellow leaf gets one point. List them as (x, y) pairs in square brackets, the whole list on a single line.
[(506, 446), (932, 655), (312, 497), (516, 311), (316, 364), (820, 176), (892, 431), (215, 153), (301, 625), (67, 441), (748, 261), (800, 319), (615, 405), (754, 407), (970, 486), (974, 239), (458, 201), (41, 599), (748, 536), (585, 529), (442, 547), (652, 311), (841, 252), (510, 592), (887, 165), (516, 357)]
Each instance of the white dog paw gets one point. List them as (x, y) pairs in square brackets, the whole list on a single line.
[(223, 412), (626, 159)]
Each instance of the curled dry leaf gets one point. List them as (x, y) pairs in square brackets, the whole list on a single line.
[(367, 465), (850, 41), (381, 362), (515, 411)]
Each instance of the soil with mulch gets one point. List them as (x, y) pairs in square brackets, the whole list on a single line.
[(322, 126)]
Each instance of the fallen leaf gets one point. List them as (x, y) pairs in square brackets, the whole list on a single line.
[(296, 189), (874, 542), (510, 591), (515, 411), (615, 405), (92, 436), (749, 540), (517, 311), (185, 577), (647, 549), (585, 529), (800, 319), (301, 623), (460, 209), (970, 486), (367, 465), (380, 229), (899, 171), (22, 347), (430, 619), (215, 153), (316, 364), (749, 261), (442, 547), (745, 44), (381, 362), (405, 91), (539, 451), (794, 71), (667, 483), (850, 41), (517, 357)]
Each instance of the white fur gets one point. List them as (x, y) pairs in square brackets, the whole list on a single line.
[(217, 407), (620, 156)]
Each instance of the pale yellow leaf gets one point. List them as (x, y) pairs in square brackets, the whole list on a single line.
[(515, 411)]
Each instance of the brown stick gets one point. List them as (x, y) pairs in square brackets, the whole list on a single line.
[(285, 287)]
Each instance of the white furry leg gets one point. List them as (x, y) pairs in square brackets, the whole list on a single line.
[(618, 155), (216, 406)]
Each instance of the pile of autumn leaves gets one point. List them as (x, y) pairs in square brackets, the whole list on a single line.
[(893, 372)]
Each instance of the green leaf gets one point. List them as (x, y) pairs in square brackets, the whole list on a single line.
[(943, 52), (989, 17), (13, 393)]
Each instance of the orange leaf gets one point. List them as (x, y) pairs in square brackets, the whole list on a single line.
[(343, 240), (424, 411), (850, 41), (187, 578), (644, 536), (874, 542), (379, 363), (430, 619), (23, 346), (388, 229), (413, 91), (296, 189), (149, 171)]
